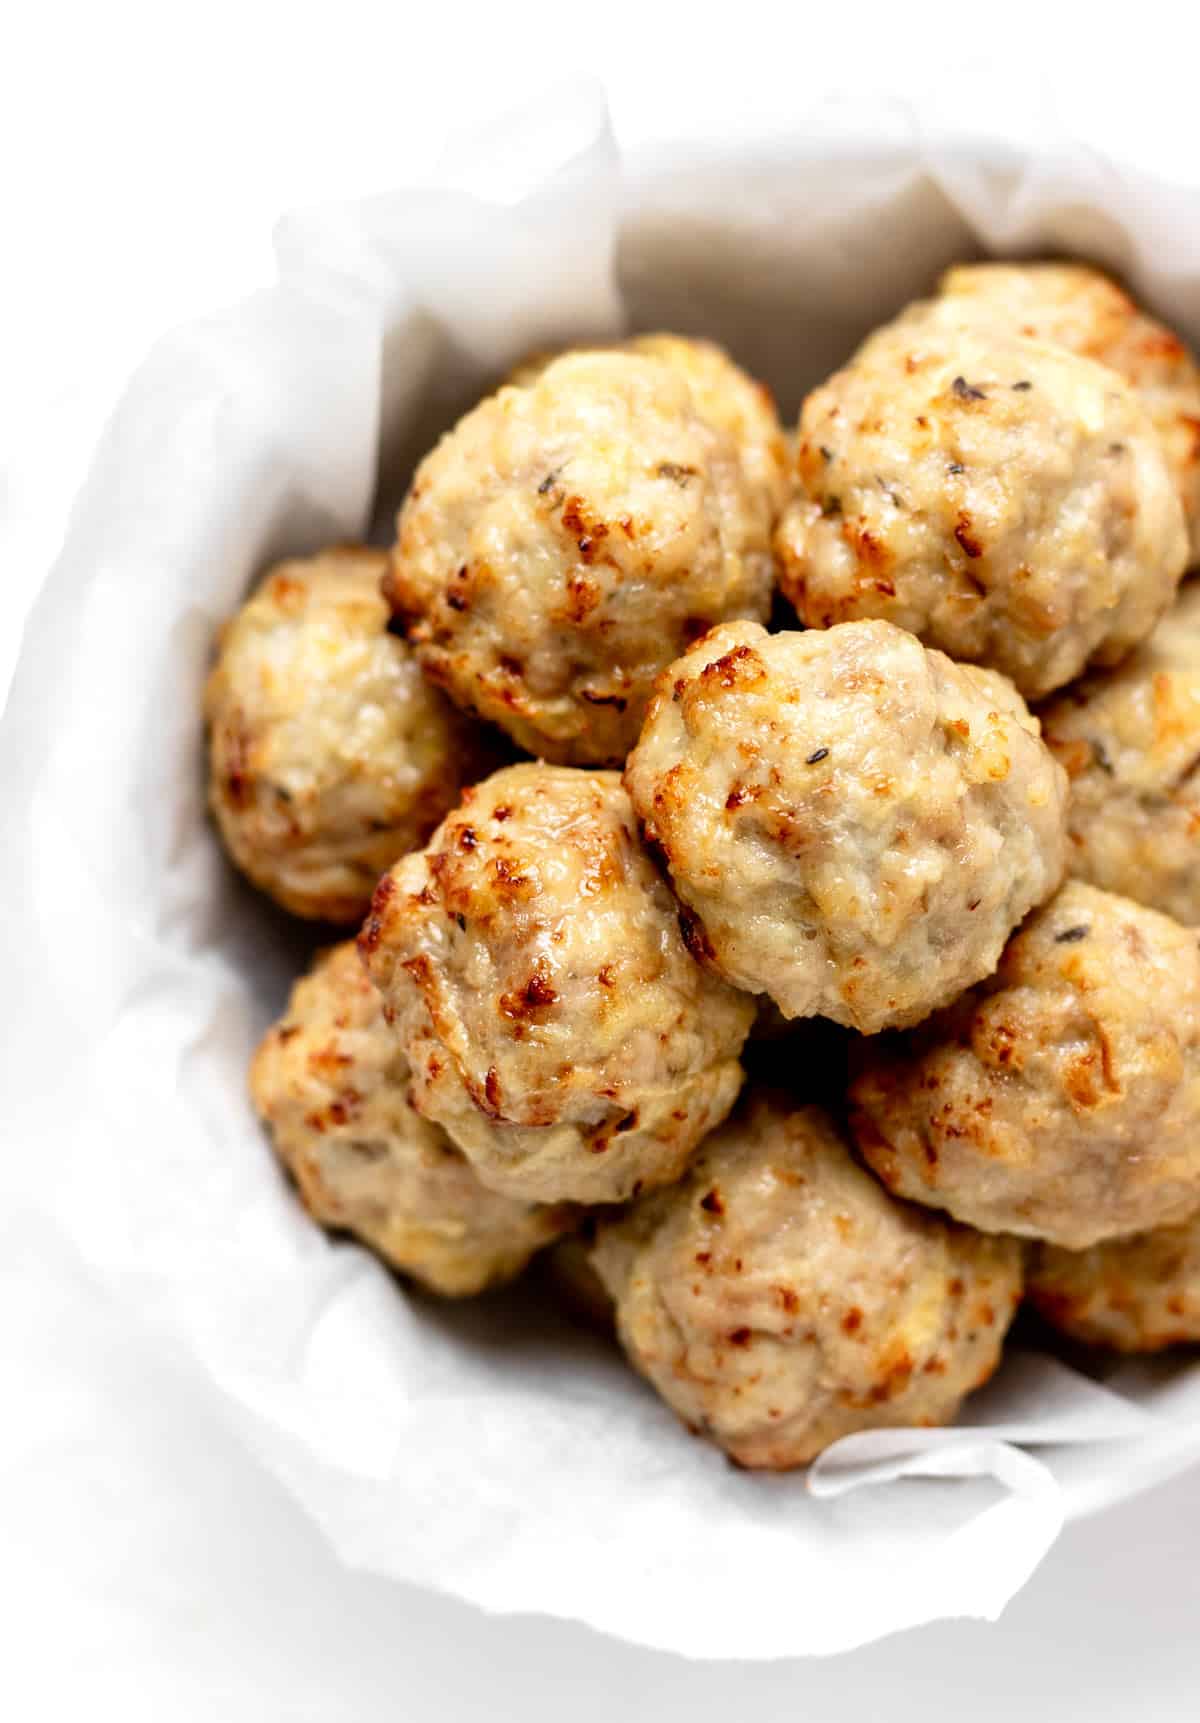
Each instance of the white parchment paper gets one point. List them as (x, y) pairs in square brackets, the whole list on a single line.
[(485, 1450)]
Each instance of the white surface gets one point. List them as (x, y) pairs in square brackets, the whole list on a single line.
[(164, 1581)]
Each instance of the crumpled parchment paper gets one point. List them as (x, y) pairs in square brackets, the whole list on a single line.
[(487, 1450)]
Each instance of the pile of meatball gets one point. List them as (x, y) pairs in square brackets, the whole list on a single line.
[(775, 859)]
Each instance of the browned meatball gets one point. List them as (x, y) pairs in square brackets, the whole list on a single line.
[(331, 1083), (723, 394), (854, 823), (1004, 499), (330, 755), (557, 1025), (778, 1298), (1130, 741), (1138, 1294), (1082, 309), (1060, 1099), (566, 540), (736, 404)]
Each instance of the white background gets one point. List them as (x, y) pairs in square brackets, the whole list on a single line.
[(147, 1570)]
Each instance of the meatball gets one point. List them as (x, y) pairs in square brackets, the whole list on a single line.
[(735, 403), (329, 753), (1139, 1294), (1004, 499), (723, 394), (557, 1025), (1060, 1099), (1080, 308), (331, 1084), (1130, 741), (778, 1298), (854, 823), (568, 539)]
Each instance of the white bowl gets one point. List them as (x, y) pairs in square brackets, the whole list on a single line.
[(484, 1450)]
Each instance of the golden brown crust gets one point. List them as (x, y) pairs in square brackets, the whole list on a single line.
[(1060, 1099), (778, 1299)]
